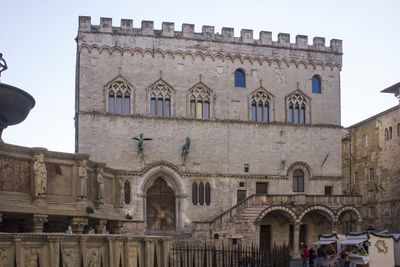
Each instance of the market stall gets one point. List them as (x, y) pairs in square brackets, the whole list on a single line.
[(355, 248), (327, 248), (381, 250)]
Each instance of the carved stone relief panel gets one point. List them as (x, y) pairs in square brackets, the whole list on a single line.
[(69, 257), (93, 257), (133, 256), (5, 257), (14, 175), (59, 179)]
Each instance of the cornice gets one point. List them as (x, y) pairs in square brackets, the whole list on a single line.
[(214, 56), (219, 121)]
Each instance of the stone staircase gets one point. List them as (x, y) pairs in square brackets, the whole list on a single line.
[(246, 212), (250, 214)]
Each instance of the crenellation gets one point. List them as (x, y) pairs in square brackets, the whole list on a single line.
[(302, 41), (105, 24), (187, 30), (208, 33), (126, 25), (247, 36), (147, 27), (336, 45), (168, 29), (283, 38), (265, 38), (228, 34), (85, 23), (319, 43)]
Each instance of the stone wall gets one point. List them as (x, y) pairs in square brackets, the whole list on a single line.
[(374, 168), (82, 250)]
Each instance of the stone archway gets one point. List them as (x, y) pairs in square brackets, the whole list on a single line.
[(160, 208), (349, 219), (171, 181), (314, 221), (275, 226)]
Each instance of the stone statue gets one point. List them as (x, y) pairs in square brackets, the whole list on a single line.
[(40, 174), (141, 140), (185, 148), (82, 178), (100, 183), (119, 191)]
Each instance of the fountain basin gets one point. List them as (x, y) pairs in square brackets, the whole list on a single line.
[(15, 105)]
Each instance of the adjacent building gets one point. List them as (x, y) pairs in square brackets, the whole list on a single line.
[(371, 153)]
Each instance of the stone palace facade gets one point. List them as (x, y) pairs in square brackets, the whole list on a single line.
[(195, 135)]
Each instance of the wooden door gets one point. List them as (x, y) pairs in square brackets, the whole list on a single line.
[(261, 188), (160, 206), (265, 237), (241, 195)]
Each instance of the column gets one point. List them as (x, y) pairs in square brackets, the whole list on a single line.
[(296, 239), (17, 251), (334, 224), (165, 251), (38, 221), (78, 224), (100, 227), (148, 252), (358, 226), (111, 254)]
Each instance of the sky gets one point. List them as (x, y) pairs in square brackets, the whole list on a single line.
[(37, 41)]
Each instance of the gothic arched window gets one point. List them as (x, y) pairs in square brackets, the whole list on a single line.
[(208, 194), (297, 106), (298, 181), (194, 193), (127, 192), (119, 97), (200, 102), (240, 78), (316, 84), (160, 97), (260, 106), (201, 194), (398, 129)]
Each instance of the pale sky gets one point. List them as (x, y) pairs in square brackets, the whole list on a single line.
[(37, 41)]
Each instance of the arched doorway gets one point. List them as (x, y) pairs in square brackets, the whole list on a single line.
[(160, 206), (275, 228)]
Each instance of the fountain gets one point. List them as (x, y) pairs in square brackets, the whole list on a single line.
[(15, 103)]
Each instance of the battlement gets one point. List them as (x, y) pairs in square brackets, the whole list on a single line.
[(208, 34)]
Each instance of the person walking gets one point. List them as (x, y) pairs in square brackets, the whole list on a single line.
[(305, 256)]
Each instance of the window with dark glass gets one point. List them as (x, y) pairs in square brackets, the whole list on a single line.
[(201, 193), (240, 78), (160, 105), (127, 192), (119, 97), (298, 181), (200, 98), (260, 106), (194, 193), (328, 190), (398, 129), (316, 84), (160, 95), (296, 109), (208, 194)]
